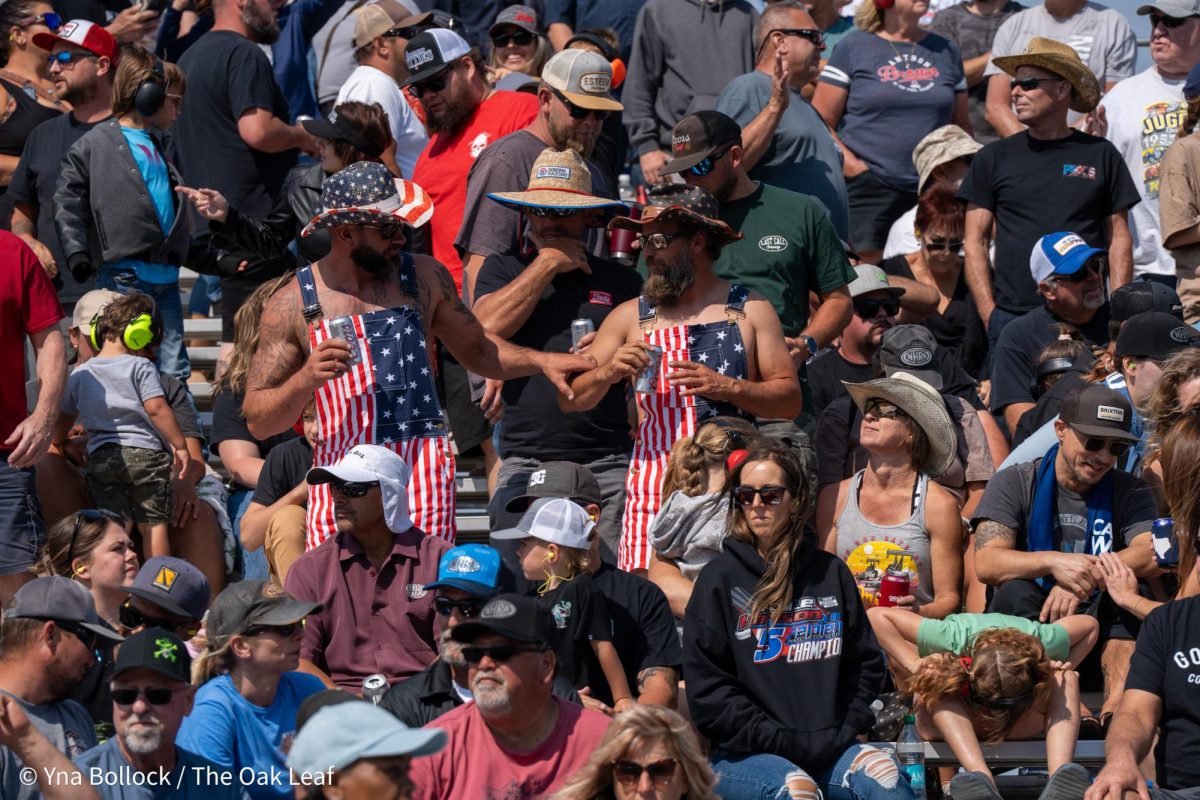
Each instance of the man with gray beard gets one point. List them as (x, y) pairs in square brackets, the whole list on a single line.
[(152, 693), (516, 740)]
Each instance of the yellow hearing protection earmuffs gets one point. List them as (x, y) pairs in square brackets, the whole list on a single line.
[(137, 335)]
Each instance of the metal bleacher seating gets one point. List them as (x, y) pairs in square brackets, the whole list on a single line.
[(472, 486)]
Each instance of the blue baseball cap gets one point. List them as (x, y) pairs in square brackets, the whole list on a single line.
[(339, 735), (472, 568), (1062, 253)]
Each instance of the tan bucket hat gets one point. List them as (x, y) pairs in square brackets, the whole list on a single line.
[(559, 179), (941, 146), (919, 400), (1062, 60)]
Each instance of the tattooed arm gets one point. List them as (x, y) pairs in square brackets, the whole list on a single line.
[(477, 349), (998, 561), (281, 379), (658, 686)]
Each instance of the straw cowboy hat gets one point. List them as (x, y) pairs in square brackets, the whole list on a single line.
[(691, 205), (1063, 61), (366, 193), (922, 402), (559, 179)]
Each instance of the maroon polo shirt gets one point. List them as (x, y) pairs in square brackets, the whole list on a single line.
[(373, 620)]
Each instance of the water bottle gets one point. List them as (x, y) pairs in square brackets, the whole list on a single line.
[(910, 752), (625, 188)]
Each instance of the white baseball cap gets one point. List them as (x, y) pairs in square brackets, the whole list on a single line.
[(553, 519), (371, 463)]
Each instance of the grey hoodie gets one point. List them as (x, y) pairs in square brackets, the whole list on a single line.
[(690, 530), (684, 52)]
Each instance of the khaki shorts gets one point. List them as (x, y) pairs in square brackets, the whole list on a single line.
[(132, 481)]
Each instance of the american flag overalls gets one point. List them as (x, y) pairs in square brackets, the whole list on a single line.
[(668, 416), (388, 399)]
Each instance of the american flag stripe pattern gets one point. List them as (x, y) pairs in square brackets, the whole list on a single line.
[(387, 399), (668, 416)]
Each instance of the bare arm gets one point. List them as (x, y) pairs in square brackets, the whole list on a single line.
[(617, 354), (504, 311), (614, 673), (8, 168), (163, 418), (258, 517), (310, 668), (1120, 250), (945, 553), (1083, 631), (1013, 413), (24, 226), (831, 316), (975, 263), (999, 112), (996, 441), (1130, 736), (896, 630), (243, 459), (31, 437), (666, 575), (559, 33), (1138, 555), (997, 561), (919, 300), (830, 502), (1062, 716), (961, 118), (54, 773), (974, 67), (757, 134), (658, 686), (263, 131)]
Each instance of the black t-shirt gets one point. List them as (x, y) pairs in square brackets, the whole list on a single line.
[(534, 427), (827, 371), (643, 629), (959, 328), (286, 465), (1166, 663), (228, 423), (229, 75), (580, 617), (1035, 187), (1015, 360)]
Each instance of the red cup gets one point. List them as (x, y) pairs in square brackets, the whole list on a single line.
[(620, 240), (893, 586)]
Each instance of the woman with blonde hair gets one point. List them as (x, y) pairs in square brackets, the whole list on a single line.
[(689, 529), (780, 663), (519, 49), (987, 678), (249, 690), (647, 751)]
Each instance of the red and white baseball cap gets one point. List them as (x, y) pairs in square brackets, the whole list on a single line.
[(81, 33)]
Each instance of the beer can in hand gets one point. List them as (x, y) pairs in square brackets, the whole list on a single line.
[(1166, 545), (579, 329), (647, 379), (895, 584), (343, 328)]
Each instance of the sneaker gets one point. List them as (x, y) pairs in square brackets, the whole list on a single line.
[(1069, 782), (973, 786)]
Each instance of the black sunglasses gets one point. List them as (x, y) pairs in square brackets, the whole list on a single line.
[(89, 515), (1170, 23), (1080, 275), (629, 773), (949, 245), (432, 85), (276, 630), (869, 309), (387, 230), (578, 112), (131, 618), (557, 213), (771, 495), (88, 638), (353, 490), (155, 695), (658, 241), (1094, 444), (706, 166), (882, 410), (1029, 84), (468, 608), (519, 38), (734, 439), (498, 652)]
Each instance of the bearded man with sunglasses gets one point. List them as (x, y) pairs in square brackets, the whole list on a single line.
[(516, 739), (1042, 526)]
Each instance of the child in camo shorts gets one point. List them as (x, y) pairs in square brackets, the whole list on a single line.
[(118, 398)]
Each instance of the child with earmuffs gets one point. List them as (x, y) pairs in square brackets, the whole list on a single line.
[(119, 400)]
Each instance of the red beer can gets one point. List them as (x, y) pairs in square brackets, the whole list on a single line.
[(893, 586)]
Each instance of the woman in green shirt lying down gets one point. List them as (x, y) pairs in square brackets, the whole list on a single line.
[(987, 678)]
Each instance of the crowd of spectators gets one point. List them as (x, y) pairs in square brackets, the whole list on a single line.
[(810, 364)]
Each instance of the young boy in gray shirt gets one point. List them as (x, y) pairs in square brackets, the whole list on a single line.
[(119, 400)]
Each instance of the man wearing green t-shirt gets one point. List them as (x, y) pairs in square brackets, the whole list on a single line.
[(789, 249)]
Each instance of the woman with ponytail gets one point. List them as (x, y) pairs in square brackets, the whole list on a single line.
[(780, 663), (689, 529), (990, 678)]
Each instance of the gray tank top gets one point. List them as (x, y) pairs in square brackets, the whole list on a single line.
[(869, 548)]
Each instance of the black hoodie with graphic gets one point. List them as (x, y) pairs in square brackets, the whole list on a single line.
[(801, 688)]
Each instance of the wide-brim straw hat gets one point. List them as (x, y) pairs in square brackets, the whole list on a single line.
[(1062, 60), (559, 179), (691, 205), (922, 402), (366, 193)]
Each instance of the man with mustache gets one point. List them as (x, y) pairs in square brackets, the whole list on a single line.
[(516, 739), (721, 349), (152, 693)]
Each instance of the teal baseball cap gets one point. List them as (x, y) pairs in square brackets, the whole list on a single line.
[(472, 568)]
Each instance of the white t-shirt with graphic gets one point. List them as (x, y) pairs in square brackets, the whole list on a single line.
[(1144, 114)]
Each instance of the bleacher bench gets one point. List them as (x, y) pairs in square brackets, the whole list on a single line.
[(1008, 755)]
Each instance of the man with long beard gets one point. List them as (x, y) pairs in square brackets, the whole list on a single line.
[(152, 693), (516, 739), (713, 348)]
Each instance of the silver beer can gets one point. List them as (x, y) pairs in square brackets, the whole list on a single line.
[(647, 379), (343, 328), (579, 329), (374, 687)]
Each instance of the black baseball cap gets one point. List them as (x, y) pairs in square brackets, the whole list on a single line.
[(335, 126), (61, 600), (1138, 296), (513, 616), (158, 650), (559, 479), (172, 584), (1096, 410), (245, 604), (1153, 334), (432, 52), (697, 136), (910, 349)]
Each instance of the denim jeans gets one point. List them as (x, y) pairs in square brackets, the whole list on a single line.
[(254, 562), (205, 293), (764, 777), (22, 531), (172, 355)]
